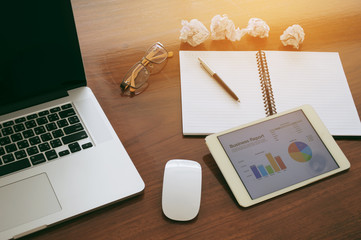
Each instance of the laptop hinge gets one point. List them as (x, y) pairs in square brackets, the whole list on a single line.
[(7, 108)]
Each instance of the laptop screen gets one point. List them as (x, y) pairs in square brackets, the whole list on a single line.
[(40, 57)]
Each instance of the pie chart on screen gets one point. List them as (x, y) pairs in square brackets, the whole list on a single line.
[(300, 152)]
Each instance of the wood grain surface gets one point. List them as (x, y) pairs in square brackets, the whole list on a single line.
[(114, 34)]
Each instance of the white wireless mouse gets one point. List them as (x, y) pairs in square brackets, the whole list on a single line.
[(182, 185)]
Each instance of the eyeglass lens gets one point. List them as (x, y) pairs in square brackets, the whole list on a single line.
[(156, 53), (138, 75)]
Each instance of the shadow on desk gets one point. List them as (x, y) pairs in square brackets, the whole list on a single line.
[(347, 137), (212, 165)]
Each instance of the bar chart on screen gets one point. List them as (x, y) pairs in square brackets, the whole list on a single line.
[(274, 164)]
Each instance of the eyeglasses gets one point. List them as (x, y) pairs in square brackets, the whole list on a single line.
[(136, 79)]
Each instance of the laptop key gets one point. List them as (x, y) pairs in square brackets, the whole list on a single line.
[(73, 119), (16, 137), (74, 147), (20, 154), (30, 124), (8, 158), (67, 113), (37, 159), (57, 133), (34, 140), (73, 128), (32, 150), (7, 131), (19, 127), (64, 153), (46, 137), (20, 120), (62, 123), (4, 141), (56, 109), (14, 166), (53, 117), (51, 126), (66, 106), (32, 116), (11, 148), (44, 147), (42, 120), (23, 144), (8, 123), (43, 113), (87, 145), (55, 143), (28, 133), (50, 155), (74, 137), (39, 130)]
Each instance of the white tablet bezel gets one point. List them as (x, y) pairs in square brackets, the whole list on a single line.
[(234, 181)]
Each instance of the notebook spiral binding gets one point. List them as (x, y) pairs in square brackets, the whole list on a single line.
[(266, 87)]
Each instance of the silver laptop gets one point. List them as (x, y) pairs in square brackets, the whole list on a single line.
[(59, 155)]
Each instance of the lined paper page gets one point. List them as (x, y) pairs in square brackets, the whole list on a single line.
[(318, 79), (206, 107)]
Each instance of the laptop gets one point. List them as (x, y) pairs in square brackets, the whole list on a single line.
[(59, 155)]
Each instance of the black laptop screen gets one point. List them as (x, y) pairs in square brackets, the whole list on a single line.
[(40, 56)]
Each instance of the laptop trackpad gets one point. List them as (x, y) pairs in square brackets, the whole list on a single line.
[(27, 200)]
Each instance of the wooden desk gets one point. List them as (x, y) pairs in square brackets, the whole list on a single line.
[(114, 35)]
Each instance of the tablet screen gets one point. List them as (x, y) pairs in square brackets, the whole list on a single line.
[(277, 153)]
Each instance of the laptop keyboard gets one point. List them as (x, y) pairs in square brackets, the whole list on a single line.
[(41, 137)]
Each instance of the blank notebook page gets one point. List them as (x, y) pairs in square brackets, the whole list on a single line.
[(206, 106), (317, 79)]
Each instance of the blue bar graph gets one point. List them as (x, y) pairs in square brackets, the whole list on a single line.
[(262, 170), (255, 171)]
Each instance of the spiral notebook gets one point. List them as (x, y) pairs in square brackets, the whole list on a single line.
[(266, 82)]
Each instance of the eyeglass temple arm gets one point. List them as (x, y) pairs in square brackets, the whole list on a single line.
[(151, 58)]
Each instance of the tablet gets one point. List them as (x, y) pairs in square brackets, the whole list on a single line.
[(275, 155)]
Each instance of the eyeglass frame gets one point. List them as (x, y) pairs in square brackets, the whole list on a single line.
[(129, 81)]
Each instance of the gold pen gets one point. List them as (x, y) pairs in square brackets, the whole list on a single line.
[(218, 79)]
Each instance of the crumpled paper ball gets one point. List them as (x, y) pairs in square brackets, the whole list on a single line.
[(193, 32), (293, 36), (256, 28), (222, 27)]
